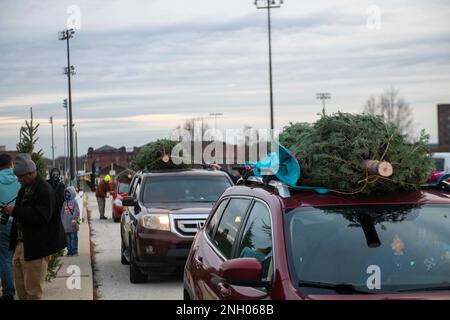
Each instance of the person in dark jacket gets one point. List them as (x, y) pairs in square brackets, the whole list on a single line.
[(36, 232), (101, 193), (58, 186)]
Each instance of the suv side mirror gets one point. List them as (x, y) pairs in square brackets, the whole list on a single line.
[(129, 202), (246, 272)]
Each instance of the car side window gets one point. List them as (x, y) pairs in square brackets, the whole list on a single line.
[(132, 186), (211, 227), (228, 228), (256, 241)]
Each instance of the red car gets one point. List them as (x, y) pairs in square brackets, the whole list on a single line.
[(261, 244), (118, 194)]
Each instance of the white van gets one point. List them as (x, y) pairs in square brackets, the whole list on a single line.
[(442, 161)]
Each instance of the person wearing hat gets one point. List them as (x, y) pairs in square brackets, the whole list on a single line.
[(101, 193), (36, 232), (58, 186)]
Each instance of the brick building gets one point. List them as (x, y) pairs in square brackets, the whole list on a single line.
[(101, 160)]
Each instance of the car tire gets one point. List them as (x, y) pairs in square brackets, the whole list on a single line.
[(186, 296), (136, 276)]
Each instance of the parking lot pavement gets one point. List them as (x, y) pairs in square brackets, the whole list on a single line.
[(111, 276)]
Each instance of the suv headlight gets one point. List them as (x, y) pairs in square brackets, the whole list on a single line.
[(156, 221)]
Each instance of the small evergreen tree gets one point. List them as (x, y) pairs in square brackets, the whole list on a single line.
[(27, 144)]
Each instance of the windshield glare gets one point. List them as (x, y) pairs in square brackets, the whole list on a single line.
[(166, 189), (378, 249)]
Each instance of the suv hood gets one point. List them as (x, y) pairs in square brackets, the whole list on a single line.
[(180, 208)]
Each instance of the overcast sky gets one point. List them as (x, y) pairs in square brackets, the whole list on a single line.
[(145, 66)]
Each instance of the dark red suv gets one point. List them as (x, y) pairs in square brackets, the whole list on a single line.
[(261, 244), (164, 210)]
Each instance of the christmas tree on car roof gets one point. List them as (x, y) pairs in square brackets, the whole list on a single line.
[(157, 156), (358, 154)]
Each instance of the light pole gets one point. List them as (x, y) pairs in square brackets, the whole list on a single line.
[(65, 149), (215, 115), (76, 158), (66, 139), (323, 96), (269, 5), (69, 71), (53, 143)]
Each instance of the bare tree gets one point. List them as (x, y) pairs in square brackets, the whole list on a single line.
[(393, 108)]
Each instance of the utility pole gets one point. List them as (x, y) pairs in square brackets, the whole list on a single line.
[(323, 96), (53, 143), (269, 5), (69, 71)]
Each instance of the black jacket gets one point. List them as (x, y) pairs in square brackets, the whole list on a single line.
[(59, 189), (37, 211)]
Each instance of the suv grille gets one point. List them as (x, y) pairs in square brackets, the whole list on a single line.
[(188, 227)]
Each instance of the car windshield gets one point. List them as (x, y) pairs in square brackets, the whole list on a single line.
[(123, 188), (373, 249), (171, 189)]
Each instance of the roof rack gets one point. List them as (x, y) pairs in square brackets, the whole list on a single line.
[(270, 184)]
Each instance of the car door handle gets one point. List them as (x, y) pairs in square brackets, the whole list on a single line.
[(198, 262), (224, 290)]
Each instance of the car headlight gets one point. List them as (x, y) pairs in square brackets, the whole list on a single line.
[(156, 221)]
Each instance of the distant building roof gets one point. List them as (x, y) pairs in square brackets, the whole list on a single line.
[(106, 148)]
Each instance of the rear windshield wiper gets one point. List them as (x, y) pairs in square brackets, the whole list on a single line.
[(341, 288)]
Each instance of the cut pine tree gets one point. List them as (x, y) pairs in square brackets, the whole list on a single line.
[(341, 151)]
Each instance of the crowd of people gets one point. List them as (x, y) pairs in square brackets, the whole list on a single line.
[(39, 219)]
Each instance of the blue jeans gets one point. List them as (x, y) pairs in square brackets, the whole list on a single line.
[(72, 243), (6, 271)]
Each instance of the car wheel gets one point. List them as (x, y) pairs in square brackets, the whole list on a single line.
[(136, 276), (186, 295)]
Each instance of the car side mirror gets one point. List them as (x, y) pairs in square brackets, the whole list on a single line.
[(129, 202), (243, 272)]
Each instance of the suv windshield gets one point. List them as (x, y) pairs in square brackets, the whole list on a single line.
[(169, 189), (373, 249)]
